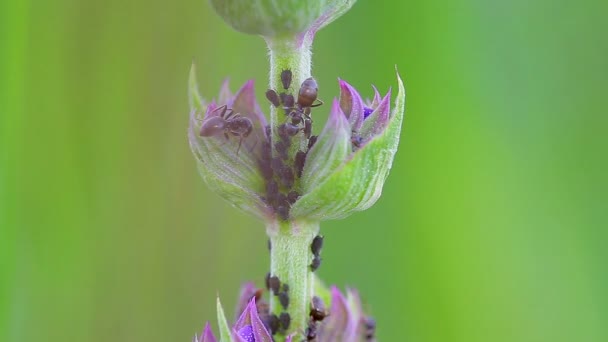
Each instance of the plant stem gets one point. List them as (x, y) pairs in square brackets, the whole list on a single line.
[(290, 258), (288, 54)]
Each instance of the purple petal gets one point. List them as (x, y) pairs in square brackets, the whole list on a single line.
[(338, 326), (378, 120), (377, 97), (207, 335), (225, 93), (251, 318), (247, 292), (246, 333), (352, 105)]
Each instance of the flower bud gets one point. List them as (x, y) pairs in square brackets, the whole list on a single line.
[(346, 169), (284, 18)]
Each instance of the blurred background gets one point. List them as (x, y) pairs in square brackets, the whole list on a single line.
[(493, 224)]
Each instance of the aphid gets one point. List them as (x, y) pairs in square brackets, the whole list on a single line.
[(289, 129), (284, 299), (283, 212), (288, 101), (273, 323), (356, 140), (307, 128), (287, 177), (292, 197), (285, 287), (311, 141), (285, 319), (316, 245), (267, 279), (273, 97), (281, 150), (317, 309), (370, 328), (311, 331), (316, 262), (298, 163), (308, 94), (234, 124), (286, 76), (274, 284)]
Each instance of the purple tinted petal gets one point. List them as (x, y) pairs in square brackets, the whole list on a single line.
[(367, 112), (246, 333), (383, 110), (207, 335), (247, 292), (250, 318), (377, 97), (225, 93), (351, 104), (336, 326)]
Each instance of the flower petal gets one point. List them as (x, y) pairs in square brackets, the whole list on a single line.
[(352, 105), (357, 184), (207, 335), (378, 119), (330, 150), (248, 291), (250, 324)]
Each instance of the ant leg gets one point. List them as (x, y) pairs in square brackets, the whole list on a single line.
[(317, 104), (230, 114), (223, 108), (239, 148)]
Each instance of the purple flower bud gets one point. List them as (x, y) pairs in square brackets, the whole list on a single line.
[(250, 327)]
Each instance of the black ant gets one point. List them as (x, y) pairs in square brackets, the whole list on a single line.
[(232, 123)]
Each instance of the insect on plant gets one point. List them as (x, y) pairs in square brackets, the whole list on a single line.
[(231, 123)]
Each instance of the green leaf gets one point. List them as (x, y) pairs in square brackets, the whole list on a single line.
[(225, 334), (358, 183)]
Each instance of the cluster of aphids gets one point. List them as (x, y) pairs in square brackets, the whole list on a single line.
[(278, 170), (281, 322)]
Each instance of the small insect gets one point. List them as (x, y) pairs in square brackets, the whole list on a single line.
[(298, 162), (274, 284), (292, 197), (267, 279), (316, 245), (287, 177), (230, 123), (356, 140), (308, 94), (285, 287), (283, 212), (285, 319), (311, 331), (284, 299), (286, 77), (316, 262), (370, 328), (317, 309), (273, 323), (273, 97), (312, 141)]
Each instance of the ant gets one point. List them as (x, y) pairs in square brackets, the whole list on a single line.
[(232, 123)]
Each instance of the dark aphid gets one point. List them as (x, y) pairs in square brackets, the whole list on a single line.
[(287, 177), (273, 97), (370, 328), (308, 93), (316, 262), (283, 212), (307, 128), (265, 169), (292, 197), (273, 323), (290, 129), (312, 141), (316, 245), (297, 116), (317, 309), (356, 140), (267, 280), (276, 164), (285, 287), (281, 148), (287, 100), (274, 284), (298, 163), (268, 131), (285, 319), (284, 299), (232, 123), (311, 331), (286, 76)]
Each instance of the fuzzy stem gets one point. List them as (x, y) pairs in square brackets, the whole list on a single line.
[(288, 54), (290, 259)]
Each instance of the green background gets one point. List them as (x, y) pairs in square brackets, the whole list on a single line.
[(493, 224)]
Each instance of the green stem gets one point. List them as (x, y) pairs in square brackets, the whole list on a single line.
[(288, 54), (290, 259)]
